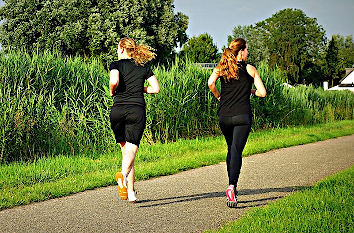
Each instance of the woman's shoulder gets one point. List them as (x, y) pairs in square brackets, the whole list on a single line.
[(217, 70), (250, 67), (251, 70), (113, 65), (121, 64)]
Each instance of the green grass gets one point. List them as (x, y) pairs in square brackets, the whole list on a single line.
[(45, 178), (326, 207)]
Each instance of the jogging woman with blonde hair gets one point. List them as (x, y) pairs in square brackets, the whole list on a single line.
[(128, 113), (235, 115)]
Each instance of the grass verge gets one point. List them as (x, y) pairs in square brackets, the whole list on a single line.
[(325, 207), (24, 183)]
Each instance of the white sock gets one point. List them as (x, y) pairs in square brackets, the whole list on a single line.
[(131, 196), (125, 180)]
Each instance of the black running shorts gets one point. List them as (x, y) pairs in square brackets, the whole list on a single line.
[(128, 122)]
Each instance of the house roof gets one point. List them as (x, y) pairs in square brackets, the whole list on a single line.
[(349, 79), (346, 83)]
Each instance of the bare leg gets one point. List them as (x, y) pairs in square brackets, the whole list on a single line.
[(129, 151), (131, 179), (122, 147)]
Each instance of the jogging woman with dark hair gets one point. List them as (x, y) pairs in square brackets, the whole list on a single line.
[(235, 115), (128, 113)]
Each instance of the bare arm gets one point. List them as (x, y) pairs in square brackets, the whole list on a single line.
[(260, 89), (211, 83), (154, 86), (113, 81)]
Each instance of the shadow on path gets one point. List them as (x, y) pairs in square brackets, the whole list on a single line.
[(270, 190), (195, 197), (251, 203)]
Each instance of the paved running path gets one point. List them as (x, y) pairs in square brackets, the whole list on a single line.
[(191, 201)]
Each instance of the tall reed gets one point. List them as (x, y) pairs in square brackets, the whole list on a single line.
[(51, 105), (184, 108)]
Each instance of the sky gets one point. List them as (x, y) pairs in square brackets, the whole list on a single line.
[(219, 17)]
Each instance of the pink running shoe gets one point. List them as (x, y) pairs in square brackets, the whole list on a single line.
[(231, 195)]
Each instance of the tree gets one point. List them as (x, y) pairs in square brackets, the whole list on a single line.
[(293, 40), (182, 23), (335, 64), (90, 27), (345, 49), (258, 50), (201, 49)]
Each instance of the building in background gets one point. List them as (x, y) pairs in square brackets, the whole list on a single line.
[(346, 83)]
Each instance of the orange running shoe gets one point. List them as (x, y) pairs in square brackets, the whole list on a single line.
[(122, 185)]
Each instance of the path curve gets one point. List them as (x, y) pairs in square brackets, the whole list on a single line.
[(191, 201)]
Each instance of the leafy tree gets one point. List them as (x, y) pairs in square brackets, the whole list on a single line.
[(182, 23), (293, 40), (200, 49), (257, 50), (346, 49), (90, 27), (335, 64)]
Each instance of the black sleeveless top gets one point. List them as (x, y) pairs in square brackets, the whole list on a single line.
[(132, 77), (235, 94)]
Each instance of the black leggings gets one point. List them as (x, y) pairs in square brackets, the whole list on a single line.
[(236, 130)]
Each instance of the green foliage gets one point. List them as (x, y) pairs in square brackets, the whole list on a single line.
[(182, 24), (334, 62), (51, 105), (293, 39), (288, 40), (201, 49), (346, 49), (184, 108), (257, 48), (284, 106), (91, 28)]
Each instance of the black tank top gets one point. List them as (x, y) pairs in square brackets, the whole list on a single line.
[(235, 94)]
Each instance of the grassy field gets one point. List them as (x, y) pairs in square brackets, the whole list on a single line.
[(45, 178), (326, 207)]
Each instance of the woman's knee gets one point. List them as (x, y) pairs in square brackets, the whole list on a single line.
[(131, 149)]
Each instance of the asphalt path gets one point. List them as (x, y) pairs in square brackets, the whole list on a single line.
[(190, 201)]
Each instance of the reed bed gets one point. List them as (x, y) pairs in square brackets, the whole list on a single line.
[(50, 105), (184, 108)]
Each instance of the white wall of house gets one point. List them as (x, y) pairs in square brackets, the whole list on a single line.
[(346, 84)]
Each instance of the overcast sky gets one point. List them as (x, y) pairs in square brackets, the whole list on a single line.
[(219, 17)]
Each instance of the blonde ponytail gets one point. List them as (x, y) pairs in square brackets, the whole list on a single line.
[(143, 54), (140, 53)]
